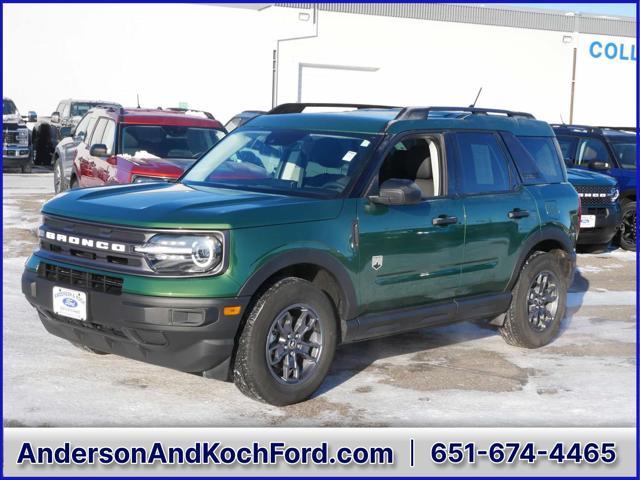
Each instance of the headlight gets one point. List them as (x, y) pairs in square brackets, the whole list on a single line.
[(143, 179), (23, 136), (614, 194), (179, 254)]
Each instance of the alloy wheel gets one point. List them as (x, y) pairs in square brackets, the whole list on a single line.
[(542, 300), (294, 344), (628, 227)]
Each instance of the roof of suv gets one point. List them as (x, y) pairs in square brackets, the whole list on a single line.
[(626, 132), (374, 119), (159, 116)]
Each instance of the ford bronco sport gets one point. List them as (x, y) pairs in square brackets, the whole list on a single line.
[(611, 151), (301, 231)]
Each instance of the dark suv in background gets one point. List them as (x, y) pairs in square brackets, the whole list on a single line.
[(608, 150), (48, 132)]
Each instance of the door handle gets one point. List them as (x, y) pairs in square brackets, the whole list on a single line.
[(517, 213), (443, 220)]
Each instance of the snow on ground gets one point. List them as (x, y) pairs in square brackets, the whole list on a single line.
[(459, 375)]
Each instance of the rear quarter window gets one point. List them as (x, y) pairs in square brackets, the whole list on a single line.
[(538, 159)]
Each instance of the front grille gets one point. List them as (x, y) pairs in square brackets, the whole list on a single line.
[(10, 137), (57, 247), (78, 278), (594, 195)]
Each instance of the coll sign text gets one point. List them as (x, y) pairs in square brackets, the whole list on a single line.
[(613, 51)]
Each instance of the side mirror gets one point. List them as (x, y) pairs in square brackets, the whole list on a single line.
[(98, 150), (396, 191), (55, 117), (65, 132), (599, 165), (32, 117)]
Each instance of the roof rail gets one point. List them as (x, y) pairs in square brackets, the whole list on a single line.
[(422, 113), (624, 129), (300, 107), (185, 110)]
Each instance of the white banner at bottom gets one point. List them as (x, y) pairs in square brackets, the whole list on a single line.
[(385, 452)]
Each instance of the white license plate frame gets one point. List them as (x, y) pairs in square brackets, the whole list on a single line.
[(69, 303), (588, 221)]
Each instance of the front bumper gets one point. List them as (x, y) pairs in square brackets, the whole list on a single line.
[(15, 155), (186, 334), (607, 223)]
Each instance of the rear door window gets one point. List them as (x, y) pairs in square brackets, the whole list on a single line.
[(483, 163), (90, 128)]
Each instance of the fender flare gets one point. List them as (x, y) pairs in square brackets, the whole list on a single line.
[(545, 233), (307, 256), (628, 192)]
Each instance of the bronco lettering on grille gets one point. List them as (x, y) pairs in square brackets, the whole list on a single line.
[(85, 242)]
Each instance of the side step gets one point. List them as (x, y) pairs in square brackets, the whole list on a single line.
[(374, 325)]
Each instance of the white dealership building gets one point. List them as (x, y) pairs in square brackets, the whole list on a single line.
[(560, 66)]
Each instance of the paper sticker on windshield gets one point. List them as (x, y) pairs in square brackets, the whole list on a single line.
[(349, 156), (365, 143)]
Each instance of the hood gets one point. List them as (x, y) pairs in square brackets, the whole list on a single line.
[(578, 176), (174, 205), (156, 166), (12, 118)]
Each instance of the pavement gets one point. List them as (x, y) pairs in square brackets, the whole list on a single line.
[(461, 375)]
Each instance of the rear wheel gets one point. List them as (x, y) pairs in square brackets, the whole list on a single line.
[(627, 235), (539, 303), (287, 345)]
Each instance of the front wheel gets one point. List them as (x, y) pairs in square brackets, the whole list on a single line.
[(627, 235), (287, 345), (538, 304)]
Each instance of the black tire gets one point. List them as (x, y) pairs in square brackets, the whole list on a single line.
[(88, 349), (42, 145), (518, 329), (627, 233), (251, 372), (59, 182)]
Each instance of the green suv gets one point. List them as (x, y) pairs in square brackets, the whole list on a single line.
[(301, 231)]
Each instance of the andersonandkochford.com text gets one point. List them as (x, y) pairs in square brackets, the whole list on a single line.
[(205, 453)]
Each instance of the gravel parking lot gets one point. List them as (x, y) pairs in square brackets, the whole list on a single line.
[(460, 375)]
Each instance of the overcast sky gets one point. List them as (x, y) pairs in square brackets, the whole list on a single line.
[(627, 9)]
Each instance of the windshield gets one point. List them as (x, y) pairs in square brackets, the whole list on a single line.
[(78, 109), (167, 141), (8, 107), (299, 162), (626, 154)]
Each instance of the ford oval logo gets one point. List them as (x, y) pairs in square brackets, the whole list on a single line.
[(70, 302)]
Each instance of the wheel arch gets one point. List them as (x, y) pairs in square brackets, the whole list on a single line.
[(628, 195), (547, 239), (320, 268)]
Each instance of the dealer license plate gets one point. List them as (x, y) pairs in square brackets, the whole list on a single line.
[(70, 303), (588, 221)]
